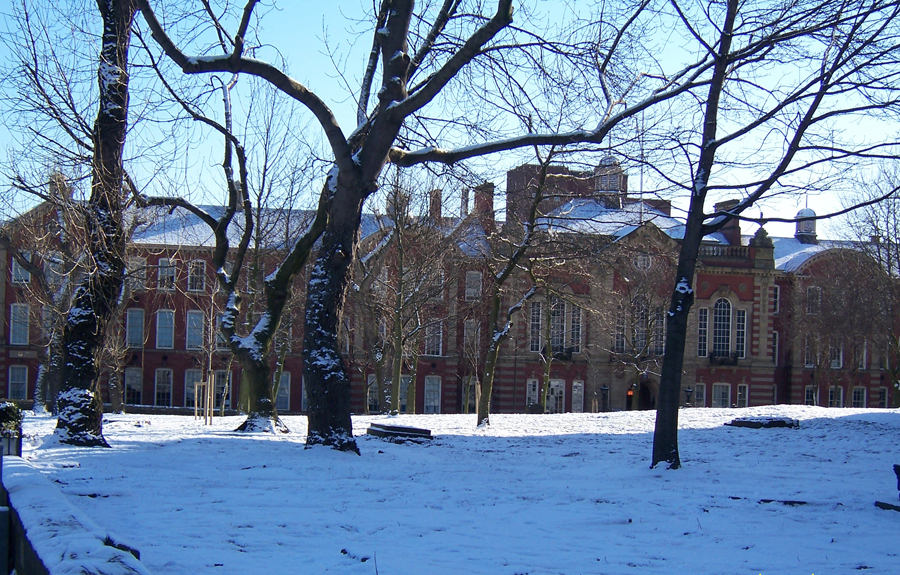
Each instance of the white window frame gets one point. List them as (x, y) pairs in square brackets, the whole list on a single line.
[(883, 397), (836, 396), (740, 333), (700, 394), (531, 392), (717, 397), (813, 300), (134, 328), (659, 332), (129, 383), (165, 274), (721, 332), (53, 269), (577, 396), (811, 395), (222, 379), (858, 397), (191, 376), (162, 373), (776, 300), (836, 356), (536, 327), (556, 396), (19, 323), (743, 395), (136, 270), (19, 275), (195, 324), (405, 381), (196, 276), (17, 387), (432, 394), (809, 356), (474, 285), (372, 394), (160, 325), (471, 335), (703, 332), (434, 339), (575, 328), (283, 397), (862, 360)]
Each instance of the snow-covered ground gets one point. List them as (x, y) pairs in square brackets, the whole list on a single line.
[(535, 494)]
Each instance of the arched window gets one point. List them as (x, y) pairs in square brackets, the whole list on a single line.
[(722, 328)]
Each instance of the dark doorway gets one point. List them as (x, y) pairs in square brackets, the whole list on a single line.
[(646, 399)]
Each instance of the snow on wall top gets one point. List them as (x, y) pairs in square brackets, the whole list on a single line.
[(67, 541)]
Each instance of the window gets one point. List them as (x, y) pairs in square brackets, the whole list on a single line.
[(194, 336), (163, 395), (136, 270), (19, 315), (813, 300), (836, 356), (471, 336), (470, 385), (577, 397), (859, 397), (536, 323), (53, 269), (811, 395), (556, 396), (835, 396), (575, 329), (18, 382), (372, 394), (743, 391), (659, 332), (345, 334), (283, 397), (721, 395), (809, 357), (740, 337), (774, 394), (619, 337), (134, 383), (19, 274), (191, 378), (223, 388), (721, 329), (221, 342), (134, 328), (862, 356), (165, 329), (434, 338), (776, 299), (473, 285), (700, 394), (882, 397), (405, 380), (165, 274), (642, 262), (702, 331), (432, 394), (639, 343), (302, 394), (774, 348), (557, 325), (531, 392), (197, 275)]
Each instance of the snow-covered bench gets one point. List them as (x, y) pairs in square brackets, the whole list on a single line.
[(51, 536)]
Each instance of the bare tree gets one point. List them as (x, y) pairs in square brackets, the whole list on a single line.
[(424, 56), (779, 128)]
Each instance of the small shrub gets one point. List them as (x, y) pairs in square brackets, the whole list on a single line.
[(10, 417)]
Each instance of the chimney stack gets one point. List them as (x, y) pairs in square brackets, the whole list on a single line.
[(464, 203), (484, 205), (434, 205), (731, 230)]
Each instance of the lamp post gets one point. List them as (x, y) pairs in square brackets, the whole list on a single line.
[(687, 394), (604, 390)]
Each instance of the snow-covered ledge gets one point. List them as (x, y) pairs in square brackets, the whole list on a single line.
[(51, 536)]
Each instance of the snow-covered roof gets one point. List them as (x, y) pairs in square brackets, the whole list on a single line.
[(278, 228), (791, 254)]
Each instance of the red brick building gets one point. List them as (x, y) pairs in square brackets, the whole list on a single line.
[(748, 342)]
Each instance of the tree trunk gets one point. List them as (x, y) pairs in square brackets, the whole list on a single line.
[(326, 377), (483, 401), (80, 419)]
